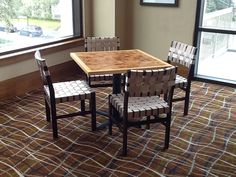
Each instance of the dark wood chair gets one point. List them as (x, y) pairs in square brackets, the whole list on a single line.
[(55, 93), (101, 44), (183, 56), (141, 103)]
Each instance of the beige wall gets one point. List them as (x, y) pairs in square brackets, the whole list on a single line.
[(150, 28), (120, 21), (153, 28), (87, 17), (103, 17), (28, 66)]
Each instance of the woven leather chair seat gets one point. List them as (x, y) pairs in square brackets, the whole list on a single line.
[(139, 107), (70, 91)]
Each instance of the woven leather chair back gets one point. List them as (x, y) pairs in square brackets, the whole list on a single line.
[(181, 53), (102, 43), (140, 83), (43, 69)]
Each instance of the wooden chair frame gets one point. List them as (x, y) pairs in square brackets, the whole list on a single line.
[(183, 56), (119, 104), (51, 102)]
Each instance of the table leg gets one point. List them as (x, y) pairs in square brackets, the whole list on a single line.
[(116, 88)]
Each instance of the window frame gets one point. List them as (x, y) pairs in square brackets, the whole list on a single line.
[(196, 42), (12, 56)]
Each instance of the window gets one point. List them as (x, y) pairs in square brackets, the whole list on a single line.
[(25, 24), (216, 40)]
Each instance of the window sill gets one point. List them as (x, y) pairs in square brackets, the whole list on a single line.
[(48, 49)]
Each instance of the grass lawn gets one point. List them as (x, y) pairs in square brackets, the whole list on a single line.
[(45, 24), (3, 41)]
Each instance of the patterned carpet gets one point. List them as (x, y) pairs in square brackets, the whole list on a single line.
[(202, 143)]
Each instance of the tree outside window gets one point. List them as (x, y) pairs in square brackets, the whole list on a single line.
[(31, 22)]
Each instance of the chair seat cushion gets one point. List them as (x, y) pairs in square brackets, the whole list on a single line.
[(138, 107), (70, 91), (180, 81)]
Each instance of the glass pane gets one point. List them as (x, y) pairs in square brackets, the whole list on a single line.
[(217, 56), (219, 14), (26, 23)]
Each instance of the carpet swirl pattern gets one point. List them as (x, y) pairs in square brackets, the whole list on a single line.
[(202, 143)]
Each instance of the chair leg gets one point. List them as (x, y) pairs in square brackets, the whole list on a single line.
[(148, 123), (54, 121), (167, 133), (165, 97), (110, 119), (47, 108), (125, 137), (93, 111), (186, 102), (82, 106), (89, 80)]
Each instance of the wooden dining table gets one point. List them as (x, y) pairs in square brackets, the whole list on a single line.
[(116, 62)]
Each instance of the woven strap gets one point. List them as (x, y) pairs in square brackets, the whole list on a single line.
[(102, 43), (70, 91), (43, 69), (180, 82), (182, 53), (101, 77), (150, 82), (139, 107)]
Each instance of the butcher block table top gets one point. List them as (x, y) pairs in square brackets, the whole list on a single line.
[(116, 62)]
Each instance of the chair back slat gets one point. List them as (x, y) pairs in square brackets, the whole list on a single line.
[(141, 83), (102, 43), (44, 72), (182, 53)]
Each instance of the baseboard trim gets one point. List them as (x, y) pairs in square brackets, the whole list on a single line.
[(20, 85)]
